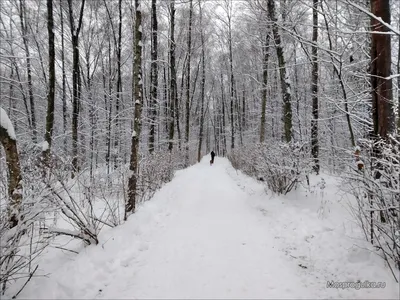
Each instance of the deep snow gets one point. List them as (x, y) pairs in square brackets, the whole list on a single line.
[(213, 232)]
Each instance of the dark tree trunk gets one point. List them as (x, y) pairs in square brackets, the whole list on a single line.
[(52, 82), (173, 84), (138, 100), (264, 87), (314, 90), (64, 78), (76, 82), (285, 84), (188, 66), (153, 75), (382, 96), (203, 80)]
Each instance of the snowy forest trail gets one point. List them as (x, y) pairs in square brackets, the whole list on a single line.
[(214, 233)]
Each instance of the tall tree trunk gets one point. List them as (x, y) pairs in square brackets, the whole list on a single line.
[(264, 87), (232, 79), (64, 78), (203, 80), (118, 99), (52, 82), (153, 74), (24, 28), (138, 100), (398, 78), (173, 84), (314, 90), (188, 66), (224, 149), (7, 139), (285, 84), (382, 95), (76, 82)]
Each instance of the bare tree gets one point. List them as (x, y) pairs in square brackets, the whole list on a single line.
[(314, 90), (76, 81), (173, 85), (52, 82), (188, 67), (203, 80), (264, 87), (138, 100), (285, 83), (381, 82), (153, 75)]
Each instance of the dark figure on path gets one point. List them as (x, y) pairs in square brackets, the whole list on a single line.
[(212, 158)]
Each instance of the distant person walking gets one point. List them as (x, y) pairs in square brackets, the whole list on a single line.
[(212, 158)]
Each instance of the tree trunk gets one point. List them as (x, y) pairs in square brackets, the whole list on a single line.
[(76, 83), (118, 99), (52, 83), (285, 84), (264, 87), (138, 100), (64, 78), (7, 139), (224, 147), (203, 80), (173, 84), (382, 97), (153, 75), (188, 66), (314, 90), (232, 81)]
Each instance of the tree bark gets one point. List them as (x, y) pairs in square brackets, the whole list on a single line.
[(52, 82), (76, 82), (64, 78), (314, 90), (153, 75), (264, 87), (203, 80), (382, 95), (138, 100), (188, 66), (173, 84), (7, 139), (285, 84)]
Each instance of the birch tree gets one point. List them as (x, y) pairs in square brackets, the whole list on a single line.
[(138, 100)]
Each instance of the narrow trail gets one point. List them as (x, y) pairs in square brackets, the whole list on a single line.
[(213, 234)]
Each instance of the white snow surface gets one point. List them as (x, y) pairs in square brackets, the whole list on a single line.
[(214, 233), (5, 123)]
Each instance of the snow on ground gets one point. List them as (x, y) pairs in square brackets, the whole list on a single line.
[(213, 232)]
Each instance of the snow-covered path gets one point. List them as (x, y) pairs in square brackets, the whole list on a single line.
[(213, 245), (213, 233)]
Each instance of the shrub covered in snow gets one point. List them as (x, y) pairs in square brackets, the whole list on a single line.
[(280, 165), (155, 170), (377, 190)]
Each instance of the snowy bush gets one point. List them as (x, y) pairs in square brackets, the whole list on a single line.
[(280, 165), (155, 170), (21, 245), (377, 190)]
